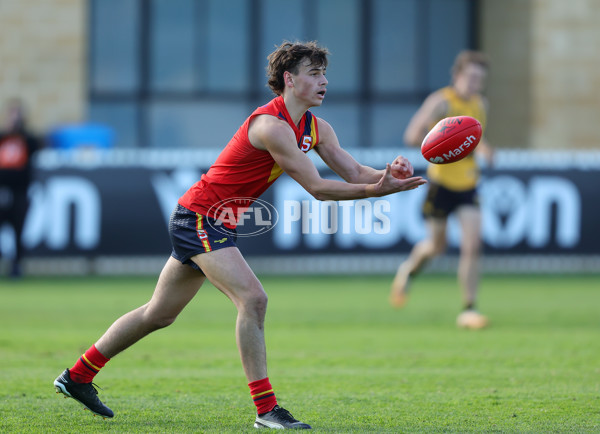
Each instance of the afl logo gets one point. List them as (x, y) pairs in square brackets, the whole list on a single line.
[(248, 215)]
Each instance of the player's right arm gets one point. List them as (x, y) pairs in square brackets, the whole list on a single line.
[(433, 109), (275, 136)]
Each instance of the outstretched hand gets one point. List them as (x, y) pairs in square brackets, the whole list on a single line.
[(389, 184)]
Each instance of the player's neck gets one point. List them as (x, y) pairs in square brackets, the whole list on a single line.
[(295, 108), (462, 94)]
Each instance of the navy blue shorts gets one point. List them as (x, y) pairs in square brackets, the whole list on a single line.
[(440, 201), (192, 233)]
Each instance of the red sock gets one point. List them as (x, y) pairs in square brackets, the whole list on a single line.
[(88, 365), (262, 395)]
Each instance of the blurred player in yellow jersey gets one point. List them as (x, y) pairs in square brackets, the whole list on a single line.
[(452, 187)]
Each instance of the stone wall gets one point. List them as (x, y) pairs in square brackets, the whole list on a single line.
[(565, 74), (544, 86), (504, 35), (42, 59)]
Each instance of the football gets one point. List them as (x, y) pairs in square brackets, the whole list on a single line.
[(451, 139)]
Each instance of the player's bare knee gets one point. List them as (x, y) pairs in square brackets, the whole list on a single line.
[(470, 249), (255, 302), (158, 320), (437, 247), (164, 321), (259, 300)]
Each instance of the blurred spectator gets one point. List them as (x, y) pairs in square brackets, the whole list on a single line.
[(17, 146)]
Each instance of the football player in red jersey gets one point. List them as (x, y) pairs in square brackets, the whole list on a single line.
[(273, 140)]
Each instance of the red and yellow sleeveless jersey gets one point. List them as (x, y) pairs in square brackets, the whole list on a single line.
[(241, 170), (464, 174)]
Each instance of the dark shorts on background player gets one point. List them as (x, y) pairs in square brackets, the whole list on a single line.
[(192, 233), (440, 201)]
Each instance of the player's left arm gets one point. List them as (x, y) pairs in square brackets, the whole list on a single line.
[(350, 170)]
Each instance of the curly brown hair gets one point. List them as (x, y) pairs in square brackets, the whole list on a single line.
[(288, 56)]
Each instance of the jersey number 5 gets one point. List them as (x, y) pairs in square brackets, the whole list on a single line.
[(306, 143)]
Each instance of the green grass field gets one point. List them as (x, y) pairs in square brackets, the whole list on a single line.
[(339, 357)]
